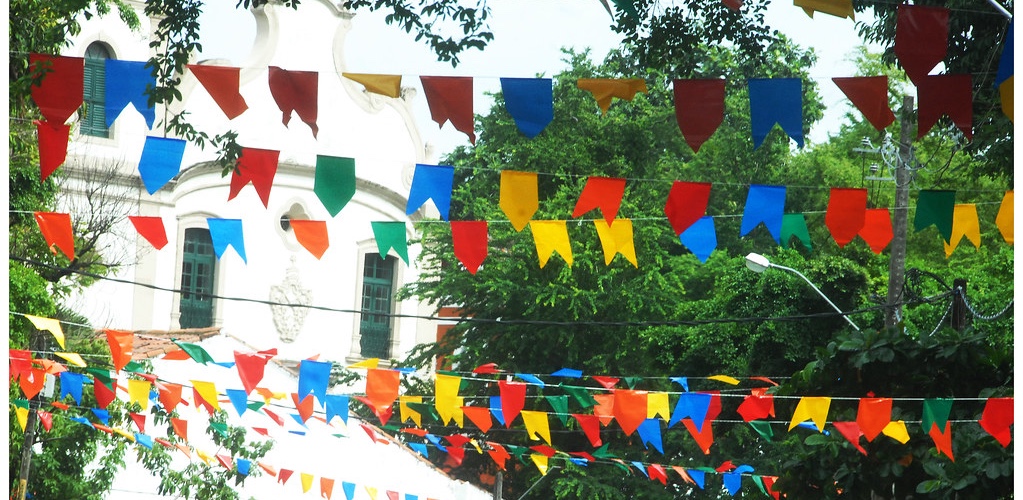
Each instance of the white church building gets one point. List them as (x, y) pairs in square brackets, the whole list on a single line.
[(355, 315)]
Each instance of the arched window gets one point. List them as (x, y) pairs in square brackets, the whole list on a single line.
[(94, 117), (377, 295), (198, 263)]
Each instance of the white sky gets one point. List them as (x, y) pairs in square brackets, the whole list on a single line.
[(528, 37)]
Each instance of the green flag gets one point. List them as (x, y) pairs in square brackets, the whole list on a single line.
[(794, 225), (334, 182), (935, 207), (560, 406), (936, 411), (391, 235), (580, 394), (195, 352)]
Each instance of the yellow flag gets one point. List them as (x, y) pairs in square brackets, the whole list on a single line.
[(73, 358), (476, 444), (837, 8), (138, 392), (537, 425), (811, 408), (372, 492), (49, 324), (205, 457), (406, 412), (726, 379), (519, 197), (657, 405), (370, 363), (22, 417), (616, 239), (447, 402), (1005, 91), (897, 431), (208, 391), (388, 85), (307, 482), (603, 89), (551, 236), (127, 435), (964, 223), (1004, 220), (541, 462)]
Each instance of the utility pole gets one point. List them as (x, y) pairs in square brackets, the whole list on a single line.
[(499, 486), (959, 304), (900, 221), (35, 342)]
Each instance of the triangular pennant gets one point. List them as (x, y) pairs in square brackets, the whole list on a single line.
[(813, 408), (387, 85), (71, 384), (541, 462), (446, 399), (763, 428), (950, 95), (180, 427), (195, 351), (616, 239), (382, 387), (686, 204), (935, 207), (53, 141), (60, 89), (50, 325), (699, 109), (870, 95), (450, 99), (794, 226), (140, 421), (943, 440), (391, 234), (873, 415), (469, 239), (57, 231), (537, 425), (334, 182), (431, 182), (160, 161), (519, 198), (150, 228), (138, 392), (560, 406), (295, 91), (694, 406), (604, 89), (222, 83), (837, 8), (921, 39), (312, 235), (700, 238), (258, 166), (650, 433), (1005, 220), (120, 343), (32, 382), (846, 214), (227, 233), (479, 416), (313, 378), (326, 487), (936, 412), (630, 409), (590, 424), (305, 406), (125, 83), (601, 192), (851, 432), (580, 394), (756, 406), (170, 395), (764, 204), (965, 223), (205, 394), (250, 367), (997, 419), (513, 399), (73, 358), (877, 229), (551, 236), (336, 405), (776, 100), (530, 101), (657, 406)]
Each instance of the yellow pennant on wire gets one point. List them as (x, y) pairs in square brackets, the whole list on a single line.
[(447, 402), (657, 406), (964, 223), (811, 408), (370, 363), (208, 392), (372, 492), (837, 8), (897, 431), (406, 413), (519, 197), (604, 89), (551, 236), (1004, 220), (307, 482), (616, 239), (138, 392), (73, 358), (388, 85), (22, 417), (537, 425), (48, 324), (541, 462)]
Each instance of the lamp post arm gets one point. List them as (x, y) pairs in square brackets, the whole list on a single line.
[(819, 292)]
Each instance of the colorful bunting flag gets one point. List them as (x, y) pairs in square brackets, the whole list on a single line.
[(295, 91), (50, 325), (847, 208), (56, 229), (852, 433), (160, 161), (699, 110), (60, 88), (943, 440), (935, 207), (194, 351), (313, 377), (450, 99), (870, 95), (776, 100), (431, 182), (616, 239), (258, 166), (537, 425), (519, 197), (120, 343), (921, 39), (391, 234), (604, 89), (686, 204), (873, 415), (138, 392), (877, 229), (950, 95), (226, 233), (813, 408), (125, 82), (629, 409), (650, 433), (469, 239), (601, 192), (551, 236), (1005, 220), (334, 182), (965, 222), (837, 8), (700, 238), (1006, 72), (764, 204), (71, 384), (222, 83), (794, 226), (312, 235), (386, 85), (997, 419), (53, 141), (479, 416), (530, 101), (151, 229), (513, 400)]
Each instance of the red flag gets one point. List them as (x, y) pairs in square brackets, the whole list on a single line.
[(150, 228), (257, 166), (56, 229), (304, 407), (46, 418), (312, 235), (180, 427), (104, 395), (870, 95), (498, 454), (486, 368), (479, 416), (284, 475), (601, 192), (120, 343), (699, 109), (873, 416), (997, 418), (657, 473), (140, 421), (53, 140), (273, 416), (61, 91), (877, 229), (921, 39), (590, 424), (513, 399), (847, 209), (170, 395), (687, 202), (851, 431), (950, 95), (295, 91), (943, 440), (450, 98), (757, 405), (250, 367), (32, 382), (607, 382), (222, 83), (630, 409), (469, 239)]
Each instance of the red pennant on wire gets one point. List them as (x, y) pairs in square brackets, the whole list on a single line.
[(699, 109), (607, 382), (295, 91), (61, 91), (686, 204), (950, 95), (121, 343), (943, 440), (222, 83), (53, 140), (56, 229), (870, 95), (469, 239), (877, 229), (873, 415), (150, 228), (450, 99), (852, 433), (997, 419), (601, 192), (312, 235), (921, 39), (590, 424), (258, 166), (847, 208), (513, 399)]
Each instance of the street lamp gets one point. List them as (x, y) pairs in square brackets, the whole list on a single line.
[(758, 264)]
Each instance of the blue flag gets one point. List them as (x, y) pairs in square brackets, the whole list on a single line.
[(776, 100), (312, 378), (71, 383), (701, 238), (431, 182), (764, 204), (160, 162), (530, 101), (125, 83), (225, 233), (650, 433)]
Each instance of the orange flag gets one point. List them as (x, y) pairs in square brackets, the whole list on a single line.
[(312, 235), (120, 343), (877, 229), (603, 89), (479, 416), (304, 407), (630, 409), (222, 83), (873, 416), (604, 409), (326, 487), (170, 395), (382, 387), (943, 440), (56, 229), (180, 427), (519, 197), (601, 192)]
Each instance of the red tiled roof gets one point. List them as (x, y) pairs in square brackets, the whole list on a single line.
[(149, 344)]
